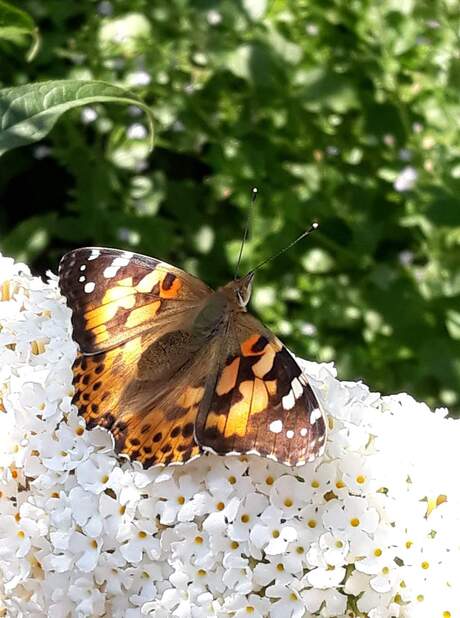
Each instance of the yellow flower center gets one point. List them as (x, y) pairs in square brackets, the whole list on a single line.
[(220, 506), (315, 484), (275, 534), (232, 479), (425, 565), (360, 479), (181, 500), (198, 540), (141, 534), (377, 552), (311, 523), (355, 522), (280, 567), (269, 480), (288, 502), (245, 518)]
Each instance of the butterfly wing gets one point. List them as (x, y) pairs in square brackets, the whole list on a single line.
[(260, 401), (116, 295), (150, 413), (137, 374)]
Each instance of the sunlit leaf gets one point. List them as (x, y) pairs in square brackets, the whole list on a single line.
[(28, 113)]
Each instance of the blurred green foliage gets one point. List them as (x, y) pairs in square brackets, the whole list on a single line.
[(344, 112)]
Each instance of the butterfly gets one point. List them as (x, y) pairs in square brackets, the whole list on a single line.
[(174, 369)]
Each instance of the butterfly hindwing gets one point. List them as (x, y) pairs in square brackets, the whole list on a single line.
[(261, 402), (116, 295), (151, 416)]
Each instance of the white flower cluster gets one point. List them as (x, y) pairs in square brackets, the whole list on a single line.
[(372, 529)]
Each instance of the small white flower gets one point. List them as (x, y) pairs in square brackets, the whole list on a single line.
[(214, 17), (287, 494), (246, 516), (271, 534), (289, 603), (89, 601), (251, 606), (138, 78), (88, 115), (334, 603), (87, 550), (138, 539), (94, 474), (136, 131), (406, 179)]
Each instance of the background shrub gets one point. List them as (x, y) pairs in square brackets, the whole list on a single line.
[(344, 112)]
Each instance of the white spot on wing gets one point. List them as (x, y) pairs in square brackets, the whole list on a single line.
[(120, 261), (115, 266), (315, 415), (94, 254), (288, 401), (110, 272), (303, 432), (276, 426), (83, 267), (297, 388), (289, 434), (82, 278), (89, 287)]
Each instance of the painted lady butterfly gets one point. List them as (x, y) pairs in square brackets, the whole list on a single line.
[(174, 369)]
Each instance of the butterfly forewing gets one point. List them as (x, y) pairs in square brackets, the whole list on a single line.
[(116, 295)]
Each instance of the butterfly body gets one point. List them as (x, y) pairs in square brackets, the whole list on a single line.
[(173, 368)]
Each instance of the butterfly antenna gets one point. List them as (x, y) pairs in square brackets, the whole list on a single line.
[(314, 226), (246, 231)]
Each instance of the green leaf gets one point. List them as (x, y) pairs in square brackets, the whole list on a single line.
[(28, 113), (14, 24)]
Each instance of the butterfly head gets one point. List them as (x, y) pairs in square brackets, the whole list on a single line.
[(239, 290)]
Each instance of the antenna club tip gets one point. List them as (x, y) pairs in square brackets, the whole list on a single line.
[(314, 225), (255, 189)]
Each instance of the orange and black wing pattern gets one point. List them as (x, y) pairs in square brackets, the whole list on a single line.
[(116, 295), (261, 402), (135, 374), (152, 420)]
